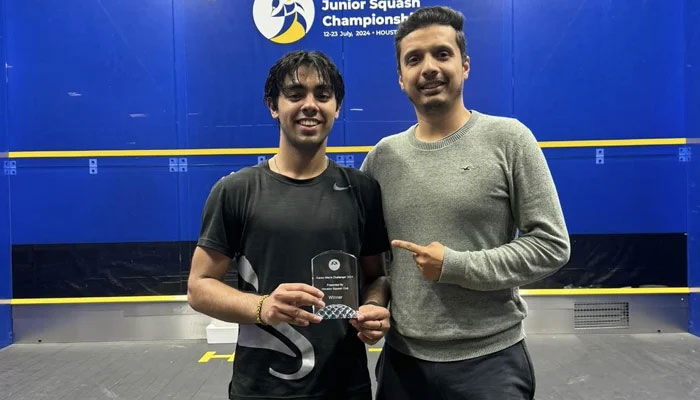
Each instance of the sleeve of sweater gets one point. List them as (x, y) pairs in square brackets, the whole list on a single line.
[(543, 244)]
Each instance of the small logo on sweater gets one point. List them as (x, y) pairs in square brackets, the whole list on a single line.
[(340, 188), (467, 167)]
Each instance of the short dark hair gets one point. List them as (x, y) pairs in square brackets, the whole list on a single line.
[(427, 16), (289, 64)]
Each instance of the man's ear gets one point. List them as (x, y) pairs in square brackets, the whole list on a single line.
[(466, 67), (273, 112), (401, 81), (337, 111)]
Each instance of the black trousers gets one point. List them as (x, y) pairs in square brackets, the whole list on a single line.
[(504, 375)]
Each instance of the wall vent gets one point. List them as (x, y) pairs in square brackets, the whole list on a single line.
[(601, 315)]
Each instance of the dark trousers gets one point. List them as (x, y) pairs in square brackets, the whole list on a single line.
[(504, 375)]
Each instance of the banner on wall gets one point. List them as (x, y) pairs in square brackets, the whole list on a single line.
[(287, 21)]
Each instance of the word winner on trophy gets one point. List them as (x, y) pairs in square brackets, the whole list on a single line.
[(334, 272)]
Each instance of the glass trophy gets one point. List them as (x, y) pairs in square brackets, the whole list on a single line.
[(334, 272)]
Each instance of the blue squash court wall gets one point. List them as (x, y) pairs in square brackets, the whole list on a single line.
[(180, 75)]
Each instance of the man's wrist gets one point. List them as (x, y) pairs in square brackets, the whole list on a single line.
[(258, 310)]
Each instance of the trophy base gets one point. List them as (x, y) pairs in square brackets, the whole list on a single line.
[(337, 311)]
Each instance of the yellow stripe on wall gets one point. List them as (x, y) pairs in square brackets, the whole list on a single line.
[(141, 153), (614, 143), (335, 149), (603, 292), (99, 300), (524, 292)]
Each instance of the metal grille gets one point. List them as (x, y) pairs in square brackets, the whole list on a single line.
[(601, 315)]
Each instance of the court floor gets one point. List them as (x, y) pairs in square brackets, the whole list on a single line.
[(568, 367)]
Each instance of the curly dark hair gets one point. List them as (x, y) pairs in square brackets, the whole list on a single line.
[(289, 64)]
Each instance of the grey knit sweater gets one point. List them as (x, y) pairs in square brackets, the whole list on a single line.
[(486, 193)]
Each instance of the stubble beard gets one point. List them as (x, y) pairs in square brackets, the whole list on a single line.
[(436, 106)]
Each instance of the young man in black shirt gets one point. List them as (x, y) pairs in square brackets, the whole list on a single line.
[(271, 220)]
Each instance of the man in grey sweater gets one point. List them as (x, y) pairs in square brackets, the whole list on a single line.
[(473, 213)]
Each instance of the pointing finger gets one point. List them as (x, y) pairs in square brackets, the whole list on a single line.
[(407, 245)]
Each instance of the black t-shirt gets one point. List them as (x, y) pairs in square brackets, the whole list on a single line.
[(272, 226)]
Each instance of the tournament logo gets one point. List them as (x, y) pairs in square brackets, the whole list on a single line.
[(283, 21), (334, 265)]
